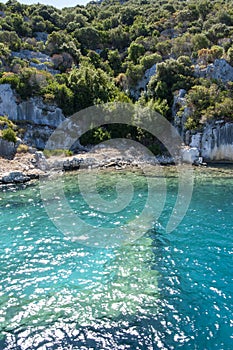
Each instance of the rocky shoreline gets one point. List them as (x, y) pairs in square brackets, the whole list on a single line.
[(27, 167)]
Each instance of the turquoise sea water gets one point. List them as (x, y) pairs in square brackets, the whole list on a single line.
[(162, 291)]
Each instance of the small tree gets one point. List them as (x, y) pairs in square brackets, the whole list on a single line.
[(135, 51), (200, 41)]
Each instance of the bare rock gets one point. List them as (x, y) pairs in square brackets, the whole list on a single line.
[(15, 177)]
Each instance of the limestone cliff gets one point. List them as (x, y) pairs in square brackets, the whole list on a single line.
[(37, 118), (213, 143), (219, 70)]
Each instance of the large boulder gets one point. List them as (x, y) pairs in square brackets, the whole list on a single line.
[(7, 149), (190, 155)]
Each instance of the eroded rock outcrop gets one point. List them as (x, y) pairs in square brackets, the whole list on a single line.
[(219, 70), (7, 149), (213, 143), (141, 84), (38, 119)]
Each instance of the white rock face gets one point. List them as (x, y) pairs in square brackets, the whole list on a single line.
[(223, 152), (220, 70), (32, 110), (190, 155), (217, 142), (36, 112), (27, 54), (196, 140), (40, 119), (8, 104)]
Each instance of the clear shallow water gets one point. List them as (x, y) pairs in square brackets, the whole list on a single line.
[(163, 291)]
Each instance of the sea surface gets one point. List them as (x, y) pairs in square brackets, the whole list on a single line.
[(161, 290)]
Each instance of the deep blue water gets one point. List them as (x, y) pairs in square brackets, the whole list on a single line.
[(162, 291)]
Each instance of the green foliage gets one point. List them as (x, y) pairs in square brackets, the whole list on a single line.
[(57, 153), (149, 60), (127, 15), (90, 86), (230, 55), (170, 76), (4, 51), (62, 94), (217, 51), (32, 82), (191, 124), (200, 41), (208, 102), (9, 135), (218, 31), (118, 38), (22, 148), (88, 37), (6, 123), (11, 38), (182, 45), (61, 42), (164, 47), (135, 51), (103, 50), (10, 78), (95, 136), (134, 73), (114, 60)]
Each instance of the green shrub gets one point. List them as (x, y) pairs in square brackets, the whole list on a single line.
[(22, 148), (10, 78), (9, 135), (57, 153), (68, 153), (5, 122), (191, 124), (148, 61), (95, 136)]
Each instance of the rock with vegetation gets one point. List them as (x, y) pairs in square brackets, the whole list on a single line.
[(55, 62)]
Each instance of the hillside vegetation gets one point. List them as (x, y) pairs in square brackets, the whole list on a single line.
[(81, 56)]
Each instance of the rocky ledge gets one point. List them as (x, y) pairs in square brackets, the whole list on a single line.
[(24, 168), (30, 166)]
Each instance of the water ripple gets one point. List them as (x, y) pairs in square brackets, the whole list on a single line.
[(164, 291)]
